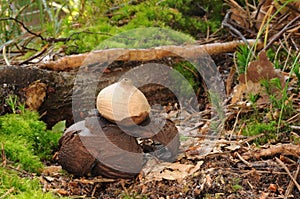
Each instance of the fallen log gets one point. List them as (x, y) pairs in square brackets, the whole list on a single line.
[(62, 88), (66, 89)]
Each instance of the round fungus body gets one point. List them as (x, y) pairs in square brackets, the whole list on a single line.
[(123, 103)]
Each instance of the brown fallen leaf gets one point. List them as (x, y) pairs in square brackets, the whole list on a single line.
[(172, 171), (62, 192), (250, 82), (35, 95), (261, 69)]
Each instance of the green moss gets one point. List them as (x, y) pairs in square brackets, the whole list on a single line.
[(235, 185), (16, 187), (26, 140), (269, 131), (151, 13), (139, 38), (242, 59)]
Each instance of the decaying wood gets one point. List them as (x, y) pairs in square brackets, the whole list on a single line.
[(189, 51)]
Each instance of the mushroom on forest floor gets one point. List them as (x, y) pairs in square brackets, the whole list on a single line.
[(123, 103), (106, 144), (100, 147)]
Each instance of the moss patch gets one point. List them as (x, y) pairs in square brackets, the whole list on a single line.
[(26, 141), (16, 187)]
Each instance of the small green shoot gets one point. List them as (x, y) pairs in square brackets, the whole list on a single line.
[(279, 99), (11, 100), (235, 186), (242, 58)]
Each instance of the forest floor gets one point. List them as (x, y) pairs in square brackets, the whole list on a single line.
[(256, 155), (264, 165)]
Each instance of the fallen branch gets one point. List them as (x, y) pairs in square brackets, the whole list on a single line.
[(109, 55), (274, 150)]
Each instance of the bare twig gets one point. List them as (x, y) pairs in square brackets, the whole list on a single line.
[(3, 155), (23, 25), (243, 160), (235, 123), (295, 127), (275, 37), (7, 193), (21, 171), (94, 189), (288, 172), (291, 185), (35, 55), (51, 39), (253, 137), (233, 29)]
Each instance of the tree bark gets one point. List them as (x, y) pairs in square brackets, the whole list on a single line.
[(70, 95)]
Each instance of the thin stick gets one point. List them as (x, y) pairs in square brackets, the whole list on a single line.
[(291, 185), (275, 37), (233, 29), (5, 56), (38, 54), (288, 172), (3, 155), (235, 123), (23, 25), (8, 192), (243, 160)]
